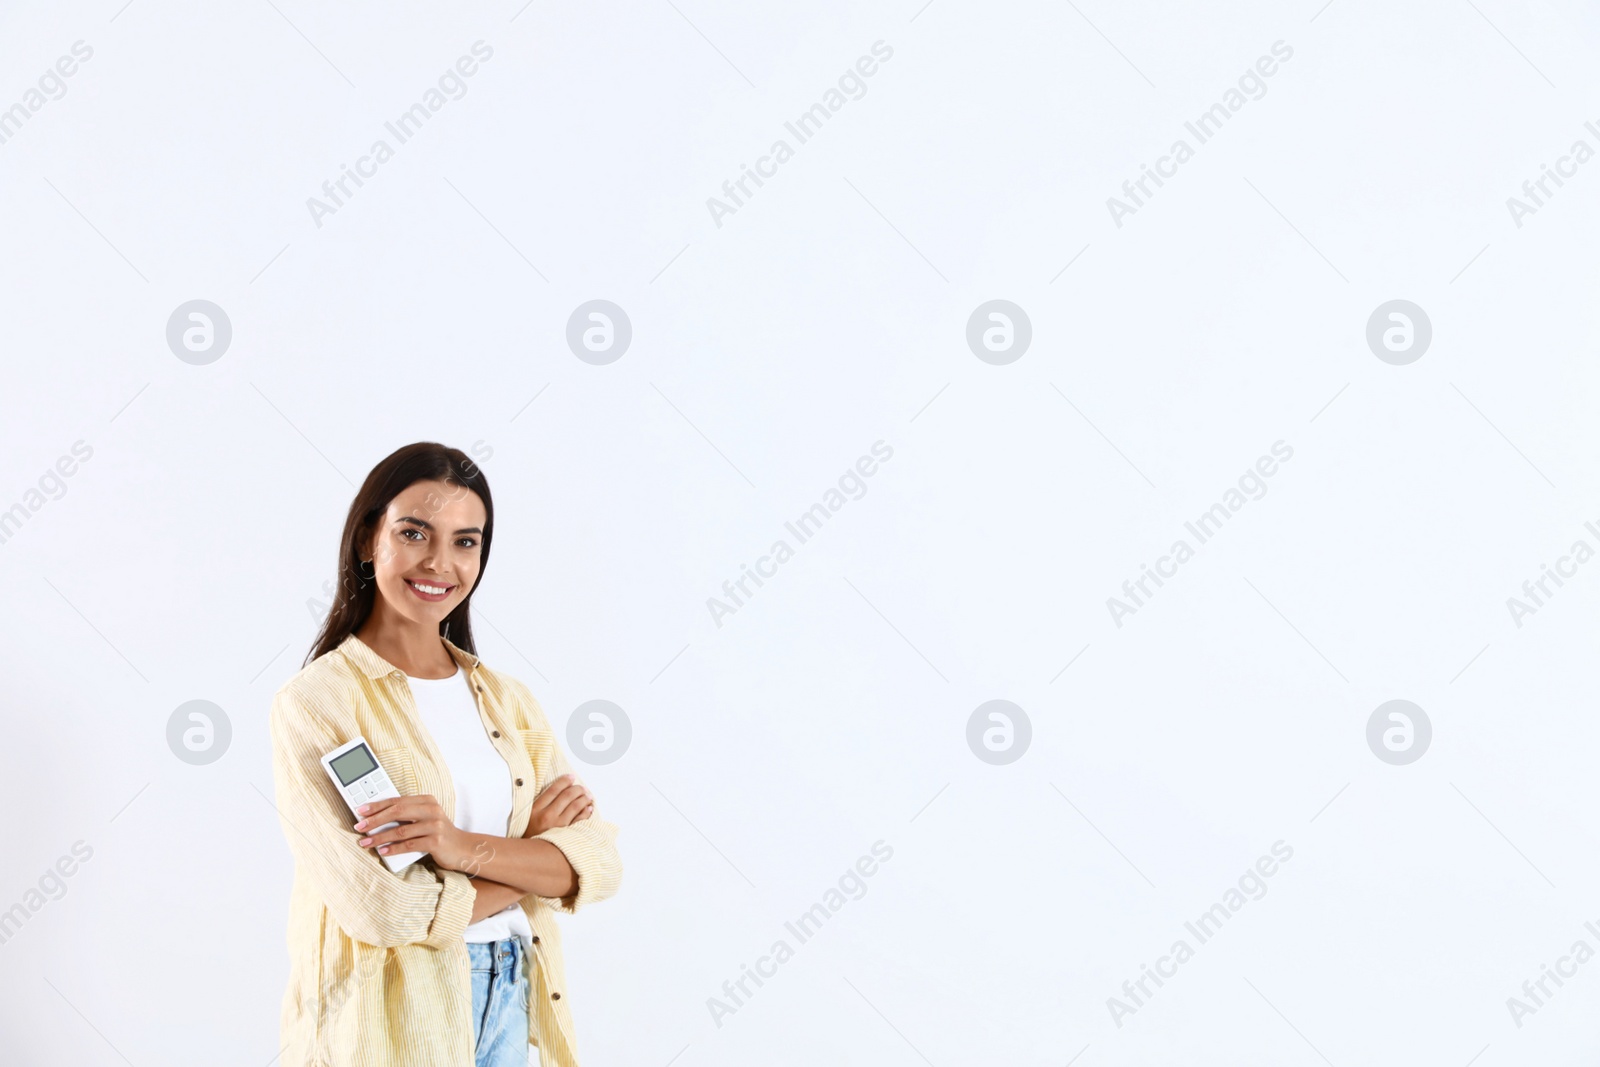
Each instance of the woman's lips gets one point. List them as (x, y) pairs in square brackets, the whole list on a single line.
[(431, 597)]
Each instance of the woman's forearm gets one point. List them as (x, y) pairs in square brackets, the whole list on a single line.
[(526, 864), (493, 897)]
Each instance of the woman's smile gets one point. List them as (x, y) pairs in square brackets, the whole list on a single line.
[(430, 591)]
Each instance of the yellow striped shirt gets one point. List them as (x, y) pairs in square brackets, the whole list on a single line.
[(379, 973)]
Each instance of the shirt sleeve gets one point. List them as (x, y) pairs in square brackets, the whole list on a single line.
[(370, 903), (590, 844)]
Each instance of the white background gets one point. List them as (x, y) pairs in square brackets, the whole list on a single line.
[(768, 354)]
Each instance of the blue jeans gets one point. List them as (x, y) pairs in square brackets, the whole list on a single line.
[(499, 1002)]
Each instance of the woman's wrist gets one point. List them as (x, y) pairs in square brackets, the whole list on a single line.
[(529, 866), (492, 898), (467, 852)]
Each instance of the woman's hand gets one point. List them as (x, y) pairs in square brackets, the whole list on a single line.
[(423, 828), (561, 803)]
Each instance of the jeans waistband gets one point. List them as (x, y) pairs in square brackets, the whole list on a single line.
[(503, 956)]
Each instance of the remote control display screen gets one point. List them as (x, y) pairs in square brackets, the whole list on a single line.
[(354, 764)]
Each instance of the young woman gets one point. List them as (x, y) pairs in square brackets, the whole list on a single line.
[(455, 960)]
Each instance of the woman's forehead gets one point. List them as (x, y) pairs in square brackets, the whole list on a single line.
[(435, 500)]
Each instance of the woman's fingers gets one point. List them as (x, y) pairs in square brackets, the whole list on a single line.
[(377, 812), (572, 803), (580, 806), (552, 790), (556, 795), (562, 802), (405, 809), (576, 802), (404, 832), (418, 816)]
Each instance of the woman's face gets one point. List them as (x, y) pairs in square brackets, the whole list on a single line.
[(427, 550)]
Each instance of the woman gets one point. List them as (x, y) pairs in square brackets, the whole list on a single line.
[(430, 966)]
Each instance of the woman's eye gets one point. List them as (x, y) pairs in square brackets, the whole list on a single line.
[(469, 542), (407, 532)]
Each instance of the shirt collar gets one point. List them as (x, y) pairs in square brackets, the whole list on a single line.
[(373, 665)]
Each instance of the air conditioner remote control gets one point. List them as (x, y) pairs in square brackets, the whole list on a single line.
[(360, 779)]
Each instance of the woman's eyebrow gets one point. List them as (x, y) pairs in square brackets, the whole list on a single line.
[(426, 525)]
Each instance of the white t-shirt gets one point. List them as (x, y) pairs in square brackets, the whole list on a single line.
[(481, 776)]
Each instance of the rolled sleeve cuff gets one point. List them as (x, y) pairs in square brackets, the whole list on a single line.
[(450, 920), (595, 862)]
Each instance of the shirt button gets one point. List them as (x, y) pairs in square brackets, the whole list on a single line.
[(496, 733), (480, 688), (555, 996), (535, 939), (519, 781)]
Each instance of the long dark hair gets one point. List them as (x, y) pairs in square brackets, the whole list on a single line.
[(424, 461)]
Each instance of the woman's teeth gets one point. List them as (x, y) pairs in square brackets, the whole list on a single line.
[(431, 590)]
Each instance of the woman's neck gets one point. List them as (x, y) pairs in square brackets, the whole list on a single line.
[(414, 648)]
